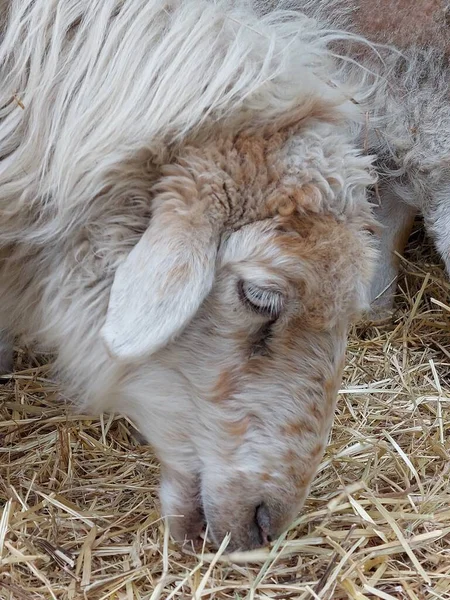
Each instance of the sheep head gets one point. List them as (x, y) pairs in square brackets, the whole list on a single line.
[(235, 306)]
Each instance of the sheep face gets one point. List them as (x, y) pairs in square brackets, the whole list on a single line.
[(261, 365), (238, 393), (239, 406)]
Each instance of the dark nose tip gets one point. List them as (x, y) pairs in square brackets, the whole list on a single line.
[(263, 523)]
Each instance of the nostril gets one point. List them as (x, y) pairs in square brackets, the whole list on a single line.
[(262, 520)]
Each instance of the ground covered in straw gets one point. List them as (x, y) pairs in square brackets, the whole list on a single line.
[(78, 496)]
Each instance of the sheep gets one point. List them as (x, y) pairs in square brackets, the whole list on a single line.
[(184, 223), (408, 118)]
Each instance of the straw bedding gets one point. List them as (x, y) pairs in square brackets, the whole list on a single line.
[(79, 502)]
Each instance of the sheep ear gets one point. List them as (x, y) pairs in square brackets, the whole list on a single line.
[(160, 286)]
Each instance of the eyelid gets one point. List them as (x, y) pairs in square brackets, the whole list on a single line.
[(261, 300)]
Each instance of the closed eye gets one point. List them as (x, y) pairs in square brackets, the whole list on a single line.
[(266, 302)]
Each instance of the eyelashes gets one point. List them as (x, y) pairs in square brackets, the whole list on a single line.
[(266, 302)]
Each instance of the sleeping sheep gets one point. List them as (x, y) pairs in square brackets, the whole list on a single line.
[(184, 223)]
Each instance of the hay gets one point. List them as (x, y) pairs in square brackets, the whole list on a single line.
[(80, 513)]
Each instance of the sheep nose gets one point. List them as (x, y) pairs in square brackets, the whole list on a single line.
[(263, 523), (256, 526)]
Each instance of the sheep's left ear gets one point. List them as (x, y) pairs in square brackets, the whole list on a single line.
[(161, 284)]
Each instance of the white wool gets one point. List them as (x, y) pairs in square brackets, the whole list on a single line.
[(88, 83)]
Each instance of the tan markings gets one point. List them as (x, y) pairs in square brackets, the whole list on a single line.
[(237, 428), (296, 429), (255, 366), (289, 201), (19, 102), (249, 184), (286, 208), (308, 198), (316, 411), (331, 389), (318, 378), (326, 297), (290, 457), (317, 451), (300, 477), (225, 387)]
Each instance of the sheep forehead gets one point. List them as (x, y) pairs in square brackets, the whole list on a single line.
[(283, 247), (256, 176)]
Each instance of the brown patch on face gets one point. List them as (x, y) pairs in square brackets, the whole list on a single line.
[(266, 477), (254, 366), (331, 389), (288, 201), (317, 451), (330, 252), (285, 208), (316, 411), (225, 387), (318, 378), (300, 477), (300, 234), (239, 179), (290, 457), (297, 428), (292, 334), (237, 428)]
